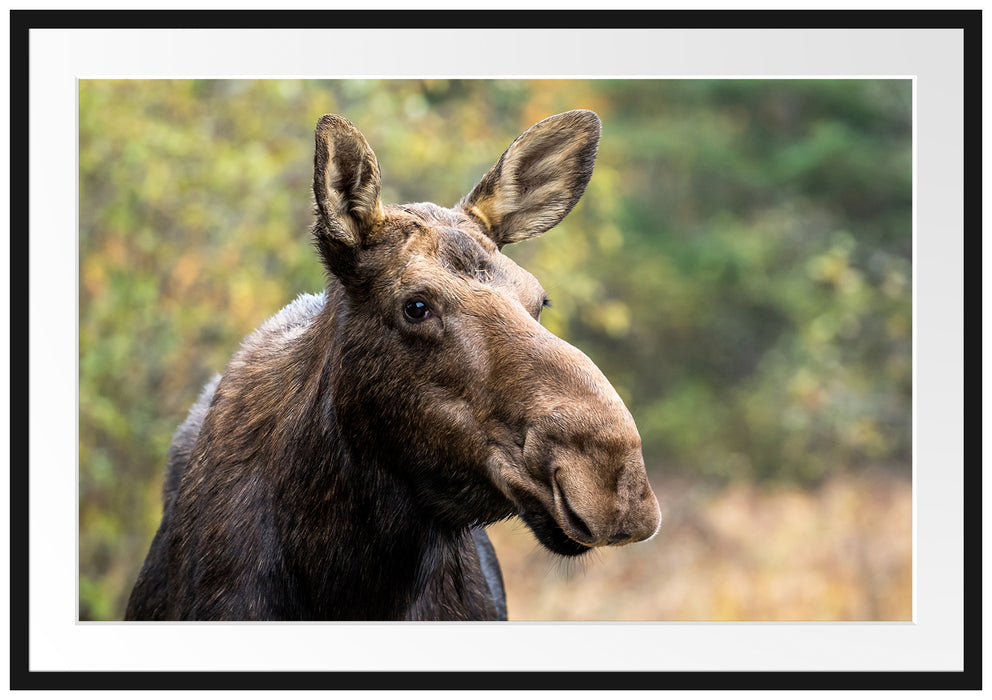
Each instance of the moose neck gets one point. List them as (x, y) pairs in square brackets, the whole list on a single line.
[(377, 546)]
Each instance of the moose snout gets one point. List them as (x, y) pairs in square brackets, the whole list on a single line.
[(600, 494), (594, 514), (581, 481)]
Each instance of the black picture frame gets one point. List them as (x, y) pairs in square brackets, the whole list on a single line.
[(23, 678)]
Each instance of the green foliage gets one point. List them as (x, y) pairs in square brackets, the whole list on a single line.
[(740, 266)]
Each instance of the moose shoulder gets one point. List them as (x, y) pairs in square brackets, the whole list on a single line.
[(344, 465)]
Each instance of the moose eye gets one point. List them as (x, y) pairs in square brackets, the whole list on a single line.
[(544, 305), (416, 310)]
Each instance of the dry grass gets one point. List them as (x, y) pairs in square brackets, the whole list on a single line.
[(840, 552)]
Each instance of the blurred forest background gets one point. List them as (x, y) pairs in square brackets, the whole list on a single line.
[(739, 267)]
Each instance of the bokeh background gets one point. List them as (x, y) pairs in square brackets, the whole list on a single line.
[(739, 267)]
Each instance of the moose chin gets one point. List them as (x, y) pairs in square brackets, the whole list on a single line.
[(345, 464)]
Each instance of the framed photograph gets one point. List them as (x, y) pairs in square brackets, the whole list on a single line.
[(766, 265)]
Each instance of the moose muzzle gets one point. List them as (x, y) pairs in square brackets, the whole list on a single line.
[(596, 487), (582, 481)]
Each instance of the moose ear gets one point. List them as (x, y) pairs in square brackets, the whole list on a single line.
[(538, 179), (346, 189)]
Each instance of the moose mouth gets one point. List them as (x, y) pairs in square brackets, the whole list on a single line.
[(546, 528)]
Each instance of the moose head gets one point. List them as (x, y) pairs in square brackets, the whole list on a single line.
[(443, 371)]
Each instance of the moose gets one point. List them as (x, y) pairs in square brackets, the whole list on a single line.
[(345, 464)]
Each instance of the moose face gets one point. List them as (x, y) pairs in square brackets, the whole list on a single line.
[(445, 371)]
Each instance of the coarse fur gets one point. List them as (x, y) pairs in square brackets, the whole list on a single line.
[(345, 464)]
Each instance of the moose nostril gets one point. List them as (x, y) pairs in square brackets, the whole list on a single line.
[(577, 522), (573, 518)]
